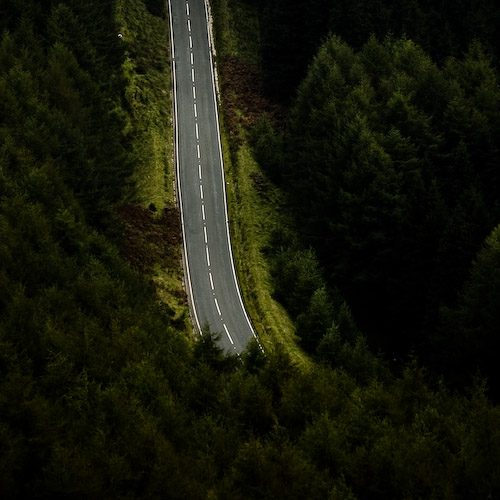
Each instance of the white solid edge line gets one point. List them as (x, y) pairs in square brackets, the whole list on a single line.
[(224, 183), (177, 168)]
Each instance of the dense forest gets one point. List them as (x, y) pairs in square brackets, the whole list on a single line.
[(104, 394), (390, 160), (291, 34)]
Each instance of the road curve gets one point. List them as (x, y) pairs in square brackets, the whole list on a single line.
[(211, 282)]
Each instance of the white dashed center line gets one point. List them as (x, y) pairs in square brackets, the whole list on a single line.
[(227, 332), (198, 152), (208, 256), (217, 306)]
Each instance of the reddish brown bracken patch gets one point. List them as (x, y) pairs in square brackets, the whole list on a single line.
[(148, 238), (244, 102)]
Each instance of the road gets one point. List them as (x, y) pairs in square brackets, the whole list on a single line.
[(211, 280)]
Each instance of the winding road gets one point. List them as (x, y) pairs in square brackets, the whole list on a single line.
[(211, 280)]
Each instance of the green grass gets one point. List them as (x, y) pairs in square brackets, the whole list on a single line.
[(237, 29), (253, 214), (148, 98)]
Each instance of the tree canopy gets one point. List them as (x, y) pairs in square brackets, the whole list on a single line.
[(393, 160), (102, 392)]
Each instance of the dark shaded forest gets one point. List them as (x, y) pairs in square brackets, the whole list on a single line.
[(391, 163), (103, 395), (291, 34)]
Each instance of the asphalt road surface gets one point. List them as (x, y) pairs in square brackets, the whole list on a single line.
[(210, 275)]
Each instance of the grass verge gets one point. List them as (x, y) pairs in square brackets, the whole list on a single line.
[(255, 205), (255, 212), (148, 101)]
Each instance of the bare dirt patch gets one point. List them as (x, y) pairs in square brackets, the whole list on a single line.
[(150, 238)]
